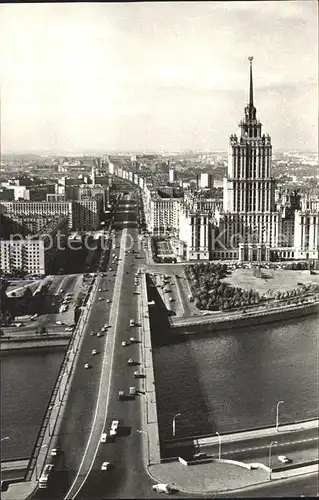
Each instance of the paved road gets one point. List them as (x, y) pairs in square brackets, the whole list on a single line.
[(297, 445), (127, 477)]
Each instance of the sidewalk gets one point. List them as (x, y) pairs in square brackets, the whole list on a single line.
[(210, 478), (218, 476)]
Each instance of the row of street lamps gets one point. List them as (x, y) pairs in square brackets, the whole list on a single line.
[(277, 419), (220, 441)]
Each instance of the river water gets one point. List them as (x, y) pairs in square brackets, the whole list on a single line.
[(225, 382), (27, 380), (233, 380)]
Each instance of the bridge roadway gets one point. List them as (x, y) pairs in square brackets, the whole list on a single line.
[(127, 478), (77, 473)]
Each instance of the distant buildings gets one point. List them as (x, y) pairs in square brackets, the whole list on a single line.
[(172, 174), (34, 254), (249, 219), (206, 181)]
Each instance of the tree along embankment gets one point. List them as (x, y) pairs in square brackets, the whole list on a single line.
[(195, 324), (32, 341)]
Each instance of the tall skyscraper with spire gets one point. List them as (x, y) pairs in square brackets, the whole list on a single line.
[(249, 186), (248, 216)]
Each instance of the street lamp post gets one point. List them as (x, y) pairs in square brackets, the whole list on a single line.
[(269, 458), (219, 445), (173, 423), (148, 445), (277, 415)]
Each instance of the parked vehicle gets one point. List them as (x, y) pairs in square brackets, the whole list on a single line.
[(162, 488)]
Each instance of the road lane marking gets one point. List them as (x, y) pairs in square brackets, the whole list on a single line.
[(105, 366)]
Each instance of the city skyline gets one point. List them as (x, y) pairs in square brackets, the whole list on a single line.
[(148, 77)]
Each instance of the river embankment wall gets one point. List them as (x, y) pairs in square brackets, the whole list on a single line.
[(195, 324), (33, 341)]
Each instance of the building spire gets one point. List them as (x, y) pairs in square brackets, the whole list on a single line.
[(251, 89)]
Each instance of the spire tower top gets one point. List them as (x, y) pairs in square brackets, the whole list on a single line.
[(251, 89)]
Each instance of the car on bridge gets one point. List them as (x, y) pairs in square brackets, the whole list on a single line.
[(105, 466), (103, 437), (114, 427)]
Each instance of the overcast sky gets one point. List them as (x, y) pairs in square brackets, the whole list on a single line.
[(156, 76)]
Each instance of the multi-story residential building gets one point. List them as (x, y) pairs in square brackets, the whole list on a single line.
[(195, 233), (172, 174), (206, 181), (162, 214), (40, 208), (34, 254), (89, 192), (86, 214), (29, 224), (306, 234), (82, 214)]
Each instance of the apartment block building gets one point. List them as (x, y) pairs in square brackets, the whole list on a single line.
[(163, 215), (82, 214), (34, 254)]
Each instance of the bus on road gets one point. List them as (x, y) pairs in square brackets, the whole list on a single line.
[(43, 481)]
